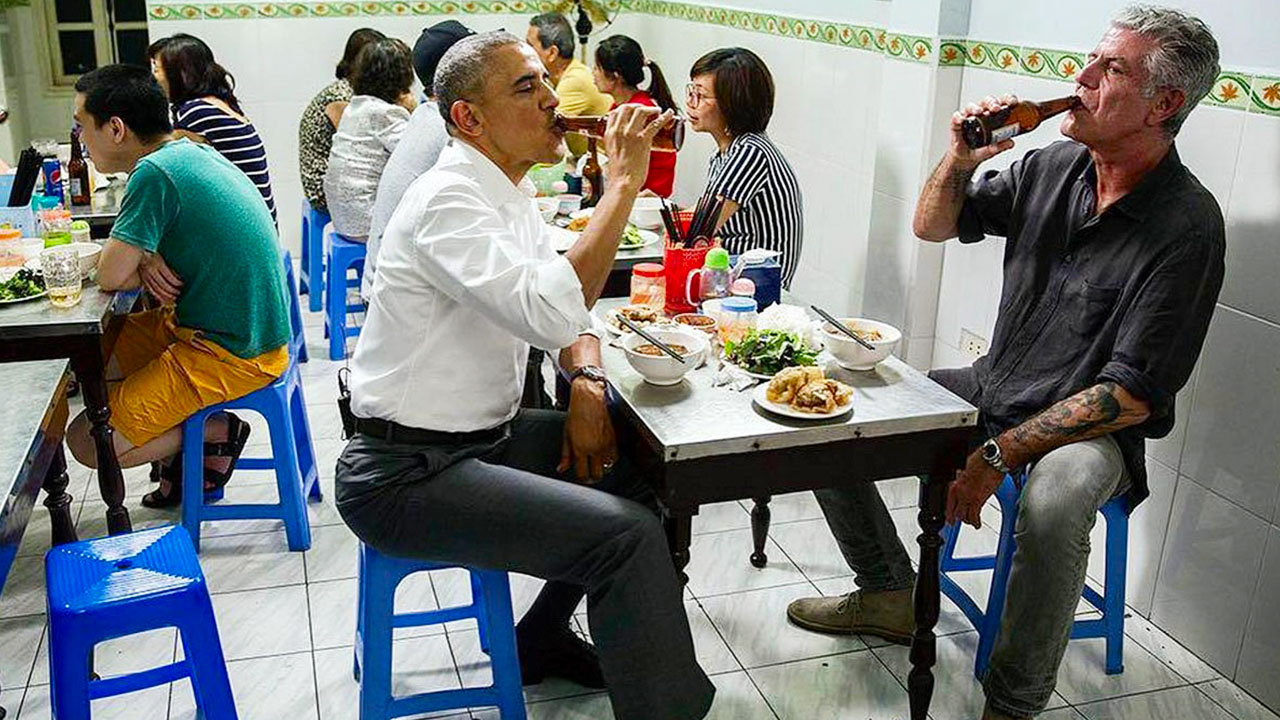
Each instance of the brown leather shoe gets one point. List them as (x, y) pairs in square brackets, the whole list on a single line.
[(889, 615)]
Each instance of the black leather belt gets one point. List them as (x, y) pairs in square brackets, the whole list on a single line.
[(397, 433)]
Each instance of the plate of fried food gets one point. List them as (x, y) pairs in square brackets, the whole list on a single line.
[(642, 315), (804, 393)]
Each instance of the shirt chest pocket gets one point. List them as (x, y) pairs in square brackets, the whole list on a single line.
[(1086, 307)]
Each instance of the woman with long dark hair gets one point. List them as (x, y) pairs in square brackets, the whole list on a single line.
[(370, 129), (619, 71), (731, 98), (320, 119), (205, 109)]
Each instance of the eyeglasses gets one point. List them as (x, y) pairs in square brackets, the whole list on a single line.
[(695, 96)]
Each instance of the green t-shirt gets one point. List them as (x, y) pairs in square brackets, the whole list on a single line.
[(201, 214)]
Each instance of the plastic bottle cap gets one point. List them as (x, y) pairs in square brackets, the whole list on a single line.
[(79, 226), (738, 304), (10, 234), (649, 270), (743, 287), (717, 259)]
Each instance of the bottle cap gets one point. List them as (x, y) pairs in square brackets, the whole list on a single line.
[(738, 304), (649, 270), (717, 259), (743, 287)]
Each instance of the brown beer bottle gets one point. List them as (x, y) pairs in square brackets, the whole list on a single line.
[(78, 172), (1012, 120), (591, 172), (669, 139)]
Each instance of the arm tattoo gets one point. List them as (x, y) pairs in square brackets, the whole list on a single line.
[(1091, 413)]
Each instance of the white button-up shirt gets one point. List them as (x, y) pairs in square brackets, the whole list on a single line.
[(468, 279)]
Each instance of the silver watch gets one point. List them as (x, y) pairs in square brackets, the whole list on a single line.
[(590, 372), (991, 453)]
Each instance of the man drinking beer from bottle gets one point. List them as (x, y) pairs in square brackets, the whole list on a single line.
[(1113, 263)]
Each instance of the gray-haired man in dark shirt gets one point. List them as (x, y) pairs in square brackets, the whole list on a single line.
[(1112, 267)]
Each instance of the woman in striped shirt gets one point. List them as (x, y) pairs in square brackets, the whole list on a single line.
[(205, 108), (731, 97)]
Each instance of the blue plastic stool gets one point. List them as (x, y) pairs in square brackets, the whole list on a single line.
[(122, 585), (343, 255), (293, 458), (297, 340), (1111, 603), (313, 223), (376, 619)]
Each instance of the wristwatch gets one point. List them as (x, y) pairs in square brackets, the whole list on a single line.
[(991, 453), (590, 372)]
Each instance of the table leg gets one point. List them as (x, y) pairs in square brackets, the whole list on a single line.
[(58, 501), (760, 517), (933, 498), (89, 368), (679, 527)]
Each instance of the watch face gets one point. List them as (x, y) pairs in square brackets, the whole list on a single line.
[(990, 450)]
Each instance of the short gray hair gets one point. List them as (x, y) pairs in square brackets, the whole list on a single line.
[(462, 71), (1185, 58), (554, 29)]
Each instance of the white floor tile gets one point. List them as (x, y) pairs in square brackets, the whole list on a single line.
[(1184, 703), (1082, 677), (249, 562), (149, 704), (1183, 661), (791, 507), (11, 700), (19, 642), (271, 688), (1236, 701), (755, 626), (957, 695), (720, 563), (812, 547), (24, 588), (423, 664), (854, 685), (334, 554), (260, 623), (717, 517), (476, 671)]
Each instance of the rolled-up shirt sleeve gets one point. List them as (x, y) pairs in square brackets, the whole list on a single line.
[(1161, 333), (460, 243), (989, 202)]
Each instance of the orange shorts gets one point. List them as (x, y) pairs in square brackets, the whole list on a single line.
[(170, 372)]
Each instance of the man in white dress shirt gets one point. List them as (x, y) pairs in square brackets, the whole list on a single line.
[(445, 465)]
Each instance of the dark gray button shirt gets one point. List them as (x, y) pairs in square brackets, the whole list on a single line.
[(1125, 296)]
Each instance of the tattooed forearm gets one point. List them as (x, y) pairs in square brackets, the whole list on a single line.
[(940, 201), (1090, 413)]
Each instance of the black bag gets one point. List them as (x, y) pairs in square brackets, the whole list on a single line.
[(344, 404)]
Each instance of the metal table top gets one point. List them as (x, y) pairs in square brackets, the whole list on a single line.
[(39, 318), (104, 204), (29, 390), (693, 419)]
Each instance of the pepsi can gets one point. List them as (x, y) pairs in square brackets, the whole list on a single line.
[(53, 178)]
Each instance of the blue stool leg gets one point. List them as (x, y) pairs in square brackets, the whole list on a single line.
[(193, 474), (212, 688), (303, 444), (1113, 594), (297, 527), (990, 630), (315, 262), (69, 674), (336, 314), (497, 616), (305, 253), (297, 335), (482, 615), (377, 604)]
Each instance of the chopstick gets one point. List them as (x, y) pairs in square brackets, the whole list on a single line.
[(842, 327), (673, 227), (655, 341)]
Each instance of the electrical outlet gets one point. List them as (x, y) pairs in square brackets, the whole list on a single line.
[(971, 343)]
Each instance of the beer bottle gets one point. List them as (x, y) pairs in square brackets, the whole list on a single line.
[(591, 172), (669, 139), (1012, 120), (78, 172)]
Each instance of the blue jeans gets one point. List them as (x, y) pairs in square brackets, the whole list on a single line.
[(1056, 511)]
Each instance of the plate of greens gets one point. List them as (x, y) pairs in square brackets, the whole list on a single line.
[(763, 353), (634, 238), (20, 285)]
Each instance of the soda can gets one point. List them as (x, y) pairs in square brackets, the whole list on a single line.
[(53, 178)]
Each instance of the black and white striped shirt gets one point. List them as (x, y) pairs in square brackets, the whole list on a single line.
[(234, 139), (755, 175)]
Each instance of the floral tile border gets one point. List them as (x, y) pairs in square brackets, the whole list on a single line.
[(1234, 90)]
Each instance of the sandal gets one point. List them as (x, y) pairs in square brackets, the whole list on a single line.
[(214, 481)]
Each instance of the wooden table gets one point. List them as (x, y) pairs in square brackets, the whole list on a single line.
[(34, 418), (702, 444), (36, 330)]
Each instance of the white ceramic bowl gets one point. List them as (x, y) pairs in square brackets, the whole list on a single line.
[(849, 353), (664, 369), (548, 207), (647, 213), (569, 204)]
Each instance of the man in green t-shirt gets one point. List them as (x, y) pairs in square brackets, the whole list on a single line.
[(194, 232)]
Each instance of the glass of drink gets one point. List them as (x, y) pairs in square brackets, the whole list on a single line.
[(61, 268)]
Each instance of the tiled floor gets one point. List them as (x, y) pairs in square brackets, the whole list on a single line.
[(287, 620)]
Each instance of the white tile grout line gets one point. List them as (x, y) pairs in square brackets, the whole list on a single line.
[(741, 666), (311, 639)]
